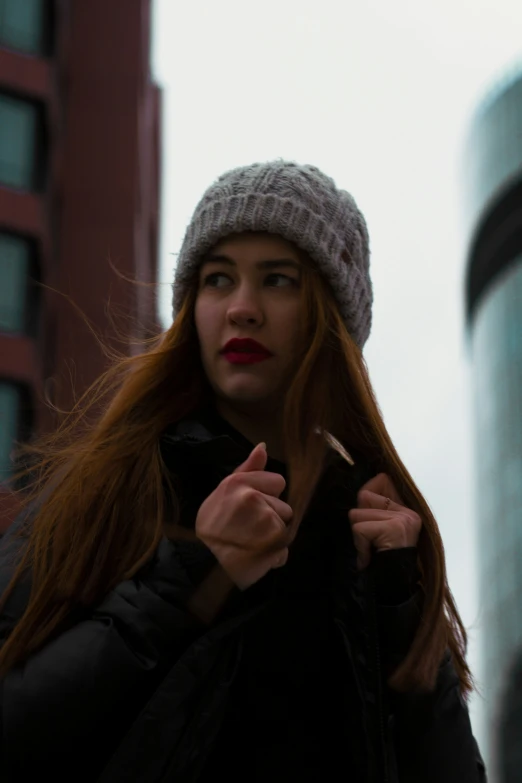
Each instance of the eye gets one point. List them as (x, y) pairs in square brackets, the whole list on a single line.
[(277, 280), (216, 280)]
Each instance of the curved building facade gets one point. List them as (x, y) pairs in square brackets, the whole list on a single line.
[(494, 316)]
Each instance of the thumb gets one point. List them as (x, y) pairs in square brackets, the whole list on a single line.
[(256, 460)]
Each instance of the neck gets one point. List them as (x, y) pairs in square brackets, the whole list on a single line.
[(256, 425)]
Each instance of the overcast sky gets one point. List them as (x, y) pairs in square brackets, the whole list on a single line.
[(380, 96)]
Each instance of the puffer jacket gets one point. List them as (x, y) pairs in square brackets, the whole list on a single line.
[(138, 689)]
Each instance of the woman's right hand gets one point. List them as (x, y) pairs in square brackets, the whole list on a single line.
[(243, 522)]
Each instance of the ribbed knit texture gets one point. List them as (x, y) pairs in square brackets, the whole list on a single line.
[(300, 204)]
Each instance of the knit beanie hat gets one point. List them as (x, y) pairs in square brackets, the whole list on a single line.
[(300, 204)]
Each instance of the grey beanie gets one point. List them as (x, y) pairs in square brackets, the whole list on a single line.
[(300, 204)]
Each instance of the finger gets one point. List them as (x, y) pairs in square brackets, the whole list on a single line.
[(384, 486), (393, 534), (256, 460), (266, 535), (261, 521), (263, 481), (379, 515), (368, 499), (403, 516), (282, 509)]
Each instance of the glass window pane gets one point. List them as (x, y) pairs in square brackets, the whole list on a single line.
[(14, 268), (9, 406), (22, 25), (18, 124)]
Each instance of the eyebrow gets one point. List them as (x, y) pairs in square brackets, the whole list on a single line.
[(272, 263)]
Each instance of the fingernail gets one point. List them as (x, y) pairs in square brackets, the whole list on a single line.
[(262, 444)]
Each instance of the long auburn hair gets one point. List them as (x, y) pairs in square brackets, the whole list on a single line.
[(99, 492)]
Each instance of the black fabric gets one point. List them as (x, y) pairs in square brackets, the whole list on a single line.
[(287, 682), (290, 715), (292, 709), (396, 575), (291, 700)]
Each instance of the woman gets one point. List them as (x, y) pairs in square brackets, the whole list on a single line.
[(203, 581)]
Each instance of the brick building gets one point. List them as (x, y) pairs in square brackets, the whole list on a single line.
[(79, 185)]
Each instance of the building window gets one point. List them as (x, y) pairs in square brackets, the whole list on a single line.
[(20, 141), (25, 26), (15, 261), (9, 425)]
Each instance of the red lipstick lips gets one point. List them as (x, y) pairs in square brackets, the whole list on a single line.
[(245, 351)]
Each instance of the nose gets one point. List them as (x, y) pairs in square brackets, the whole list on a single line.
[(245, 309)]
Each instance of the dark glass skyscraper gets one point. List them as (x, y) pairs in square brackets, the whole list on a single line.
[(494, 313)]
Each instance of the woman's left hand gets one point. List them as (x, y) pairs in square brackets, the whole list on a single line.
[(381, 520)]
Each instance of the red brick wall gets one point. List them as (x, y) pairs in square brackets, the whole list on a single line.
[(101, 194)]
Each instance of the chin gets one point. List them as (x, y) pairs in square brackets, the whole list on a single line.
[(249, 394)]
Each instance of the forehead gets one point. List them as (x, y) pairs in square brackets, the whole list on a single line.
[(253, 246)]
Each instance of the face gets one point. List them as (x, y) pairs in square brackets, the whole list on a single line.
[(250, 293)]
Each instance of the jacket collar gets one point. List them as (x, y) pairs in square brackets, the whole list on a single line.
[(205, 438)]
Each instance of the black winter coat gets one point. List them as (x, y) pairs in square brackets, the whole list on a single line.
[(287, 683)]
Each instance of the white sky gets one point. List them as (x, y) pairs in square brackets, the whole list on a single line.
[(379, 95)]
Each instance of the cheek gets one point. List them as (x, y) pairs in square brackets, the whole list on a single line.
[(205, 325), (290, 324)]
